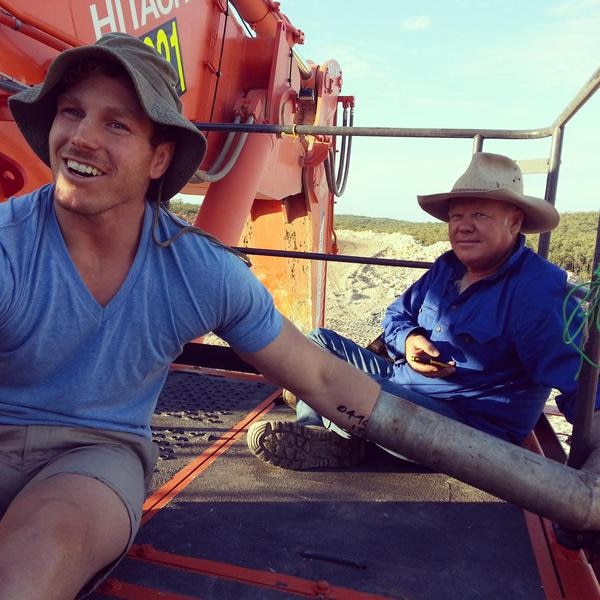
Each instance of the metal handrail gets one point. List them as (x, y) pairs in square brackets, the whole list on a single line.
[(409, 132), (345, 258), (584, 94)]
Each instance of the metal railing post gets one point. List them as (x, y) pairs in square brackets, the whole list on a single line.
[(581, 441), (552, 183)]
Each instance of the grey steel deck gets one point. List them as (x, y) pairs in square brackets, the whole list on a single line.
[(389, 528)]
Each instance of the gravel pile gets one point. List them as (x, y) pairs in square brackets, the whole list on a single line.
[(357, 295)]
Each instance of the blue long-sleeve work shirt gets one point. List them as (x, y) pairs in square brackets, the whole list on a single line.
[(505, 334)]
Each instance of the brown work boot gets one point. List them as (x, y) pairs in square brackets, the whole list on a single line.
[(289, 445)]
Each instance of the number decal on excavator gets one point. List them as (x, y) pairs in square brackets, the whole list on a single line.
[(165, 40)]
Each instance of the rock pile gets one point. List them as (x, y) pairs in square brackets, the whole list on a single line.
[(357, 295)]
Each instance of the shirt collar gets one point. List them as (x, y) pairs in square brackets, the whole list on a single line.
[(459, 269)]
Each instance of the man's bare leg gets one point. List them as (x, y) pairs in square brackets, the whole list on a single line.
[(57, 534)]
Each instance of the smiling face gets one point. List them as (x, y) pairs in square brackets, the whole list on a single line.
[(100, 150), (483, 233)]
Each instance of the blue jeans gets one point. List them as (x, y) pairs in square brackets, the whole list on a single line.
[(374, 365)]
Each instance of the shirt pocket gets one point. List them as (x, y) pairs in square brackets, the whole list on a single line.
[(428, 316), (483, 346)]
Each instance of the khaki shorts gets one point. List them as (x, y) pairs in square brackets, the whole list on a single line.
[(124, 462)]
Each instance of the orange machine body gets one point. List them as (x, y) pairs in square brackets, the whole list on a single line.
[(276, 195)]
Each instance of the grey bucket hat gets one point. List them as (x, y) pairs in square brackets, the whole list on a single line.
[(496, 177), (153, 79)]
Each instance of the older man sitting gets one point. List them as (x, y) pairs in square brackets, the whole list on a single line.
[(478, 338)]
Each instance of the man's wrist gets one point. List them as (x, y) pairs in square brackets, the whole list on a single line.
[(417, 331)]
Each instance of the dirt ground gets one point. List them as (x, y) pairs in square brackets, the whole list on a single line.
[(358, 295)]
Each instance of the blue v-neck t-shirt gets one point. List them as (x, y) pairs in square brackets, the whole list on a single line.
[(67, 360)]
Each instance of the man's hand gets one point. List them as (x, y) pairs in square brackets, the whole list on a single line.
[(419, 351)]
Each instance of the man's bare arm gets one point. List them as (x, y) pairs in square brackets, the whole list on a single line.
[(334, 388)]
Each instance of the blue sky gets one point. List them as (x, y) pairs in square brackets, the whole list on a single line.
[(472, 63)]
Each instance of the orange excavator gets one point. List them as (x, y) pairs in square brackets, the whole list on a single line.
[(236, 65), (220, 524)]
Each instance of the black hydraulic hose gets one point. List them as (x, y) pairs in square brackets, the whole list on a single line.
[(337, 182), (329, 172), (343, 174), (224, 150), (212, 175), (342, 161)]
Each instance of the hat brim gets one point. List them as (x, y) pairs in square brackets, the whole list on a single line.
[(539, 215), (34, 110)]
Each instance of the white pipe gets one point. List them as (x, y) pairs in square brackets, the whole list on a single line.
[(567, 496)]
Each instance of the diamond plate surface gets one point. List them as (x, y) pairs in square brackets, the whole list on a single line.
[(193, 411)]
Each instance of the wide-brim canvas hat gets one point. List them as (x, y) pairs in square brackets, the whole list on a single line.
[(497, 177), (154, 81)]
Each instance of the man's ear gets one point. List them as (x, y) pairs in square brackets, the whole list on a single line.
[(163, 153), (516, 220)]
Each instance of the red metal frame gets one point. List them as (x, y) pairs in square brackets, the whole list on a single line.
[(185, 476), (36, 28), (130, 591), (256, 577), (296, 203), (565, 574), (281, 582)]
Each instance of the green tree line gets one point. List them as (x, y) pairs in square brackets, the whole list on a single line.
[(571, 245)]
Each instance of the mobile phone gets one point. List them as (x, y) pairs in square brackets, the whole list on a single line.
[(425, 359)]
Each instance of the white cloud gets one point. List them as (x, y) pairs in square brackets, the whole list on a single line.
[(416, 23)]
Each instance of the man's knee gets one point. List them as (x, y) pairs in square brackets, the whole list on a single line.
[(72, 511), (69, 526), (47, 519), (51, 535)]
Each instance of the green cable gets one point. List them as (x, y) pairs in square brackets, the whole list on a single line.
[(591, 300)]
